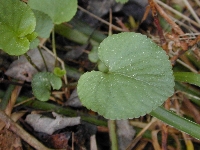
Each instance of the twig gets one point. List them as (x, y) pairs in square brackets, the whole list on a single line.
[(139, 136), (10, 124), (29, 99), (192, 11), (120, 23), (98, 18), (152, 5), (110, 21), (168, 19), (193, 110), (184, 25), (184, 64), (198, 2), (12, 101), (177, 13)]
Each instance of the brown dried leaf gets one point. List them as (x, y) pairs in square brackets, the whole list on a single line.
[(60, 141), (21, 69), (48, 125), (74, 100), (9, 140)]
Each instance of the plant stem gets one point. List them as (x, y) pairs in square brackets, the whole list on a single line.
[(54, 46), (112, 134), (177, 122), (31, 62), (43, 58)]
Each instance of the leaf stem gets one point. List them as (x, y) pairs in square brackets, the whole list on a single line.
[(112, 134), (54, 46), (177, 122), (31, 62), (43, 58)]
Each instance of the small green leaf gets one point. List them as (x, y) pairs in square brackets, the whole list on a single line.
[(41, 85), (189, 77), (17, 22), (58, 72), (59, 11), (139, 78), (44, 24), (31, 36)]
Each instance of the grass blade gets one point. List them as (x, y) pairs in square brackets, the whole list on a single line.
[(177, 122)]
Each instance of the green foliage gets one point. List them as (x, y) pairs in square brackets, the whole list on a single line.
[(31, 36), (122, 1), (134, 76), (177, 122), (44, 24), (17, 23), (58, 72), (41, 85), (59, 12), (188, 77), (139, 78)]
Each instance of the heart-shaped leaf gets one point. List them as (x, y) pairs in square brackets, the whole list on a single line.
[(17, 23), (139, 78), (44, 24), (59, 11), (41, 85)]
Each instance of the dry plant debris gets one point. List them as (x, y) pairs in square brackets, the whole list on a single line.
[(179, 37)]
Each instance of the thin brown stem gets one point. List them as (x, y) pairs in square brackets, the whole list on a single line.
[(98, 18)]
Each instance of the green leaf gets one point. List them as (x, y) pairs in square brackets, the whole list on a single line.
[(139, 78), (44, 24), (102, 67), (59, 12), (17, 22), (41, 85), (188, 77), (122, 1), (177, 122), (31, 36), (58, 72), (34, 43)]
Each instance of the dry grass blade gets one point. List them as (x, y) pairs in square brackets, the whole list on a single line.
[(177, 13)]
